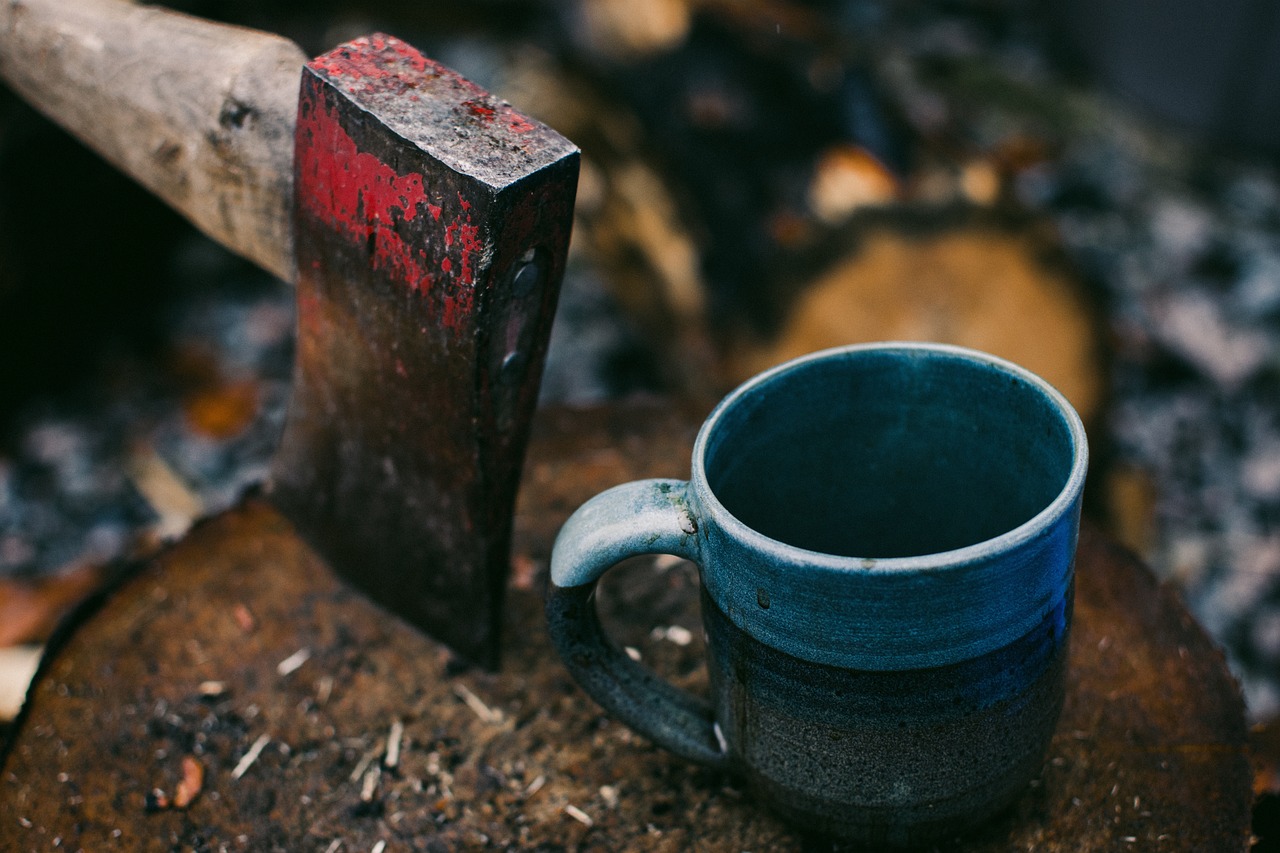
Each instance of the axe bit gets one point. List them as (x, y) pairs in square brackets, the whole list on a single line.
[(426, 224), (432, 224)]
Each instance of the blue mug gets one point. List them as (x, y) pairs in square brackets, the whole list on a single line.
[(886, 538)]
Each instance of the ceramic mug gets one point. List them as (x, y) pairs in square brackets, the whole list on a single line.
[(885, 536)]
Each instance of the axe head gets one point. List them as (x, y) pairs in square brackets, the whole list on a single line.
[(432, 225)]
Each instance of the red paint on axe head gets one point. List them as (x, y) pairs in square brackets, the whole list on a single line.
[(478, 109), (365, 60), (354, 191), (365, 202)]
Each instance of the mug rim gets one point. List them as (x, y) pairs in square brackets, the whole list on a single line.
[(1036, 526)]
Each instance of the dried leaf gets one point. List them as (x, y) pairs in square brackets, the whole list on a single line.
[(846, 179), (244, 618), (224, 410), (29, 610), (191, 783)]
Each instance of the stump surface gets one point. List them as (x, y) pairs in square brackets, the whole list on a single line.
[(240, 649)]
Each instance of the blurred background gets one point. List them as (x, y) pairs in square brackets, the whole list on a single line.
[(1088, 188)]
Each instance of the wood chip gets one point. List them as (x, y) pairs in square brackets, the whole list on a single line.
[(324, 689), (212, 689), (489, 715), (174, 502), (535, 786), (379, 847), (250, 756), (364, 762), (393, 745), (293, 661), (334, 846), (370, 784), (579, 815), (677, 634), (191, 783)]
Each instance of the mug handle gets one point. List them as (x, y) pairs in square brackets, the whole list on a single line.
[(641, 517)]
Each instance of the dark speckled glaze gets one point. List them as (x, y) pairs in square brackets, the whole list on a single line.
[(886, 538), (886, 758)]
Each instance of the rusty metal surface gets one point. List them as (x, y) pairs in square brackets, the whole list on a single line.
[(432, 227), (1149, 754)]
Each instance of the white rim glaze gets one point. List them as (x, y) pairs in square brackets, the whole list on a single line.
[(1026, 531)]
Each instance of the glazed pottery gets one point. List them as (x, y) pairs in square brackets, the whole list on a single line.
[(885, 536)]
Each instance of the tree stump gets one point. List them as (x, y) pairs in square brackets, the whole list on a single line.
[(235, 695)]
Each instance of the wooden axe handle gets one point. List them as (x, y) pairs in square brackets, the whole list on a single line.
[(200, 113)]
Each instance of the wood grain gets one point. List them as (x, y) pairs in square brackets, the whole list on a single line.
[(201, 114)]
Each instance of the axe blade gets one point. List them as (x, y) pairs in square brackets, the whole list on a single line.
[(432, 224)]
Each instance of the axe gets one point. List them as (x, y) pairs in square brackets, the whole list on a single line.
[(425, 224)]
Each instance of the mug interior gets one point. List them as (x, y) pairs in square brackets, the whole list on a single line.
[(883, 453)]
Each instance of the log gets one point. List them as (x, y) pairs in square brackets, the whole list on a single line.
[(238, 676), (998, 289)]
